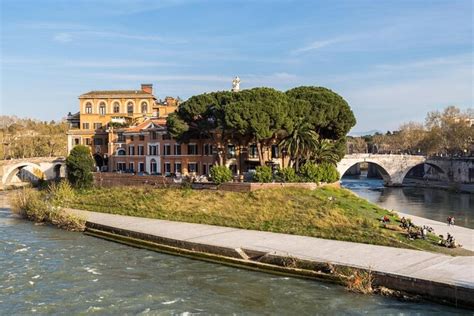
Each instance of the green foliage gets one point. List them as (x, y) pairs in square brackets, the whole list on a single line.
[(288, 174), (329, 113), (310, 172), (220, 174), (61, 193), (300, 143), (263, 174), (328, 172), (80, 165), (324, 151)]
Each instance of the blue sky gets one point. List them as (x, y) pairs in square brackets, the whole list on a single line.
[(393, 61)]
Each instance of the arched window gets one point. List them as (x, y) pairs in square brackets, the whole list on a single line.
[(121, 152), (102, 108), (152, 166), (88, 108), (144, 107), (116, 107), (130, 108)]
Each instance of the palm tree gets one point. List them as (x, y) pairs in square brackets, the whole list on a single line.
[(324, 151), (300, 143)]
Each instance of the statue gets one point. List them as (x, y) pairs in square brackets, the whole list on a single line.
[(236, 84)]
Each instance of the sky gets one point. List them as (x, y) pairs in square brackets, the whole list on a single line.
[(392, 61)]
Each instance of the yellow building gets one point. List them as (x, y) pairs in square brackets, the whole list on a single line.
[(102, 111)]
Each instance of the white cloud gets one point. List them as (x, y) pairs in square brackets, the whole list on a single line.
[(318, 45), (63, 37)]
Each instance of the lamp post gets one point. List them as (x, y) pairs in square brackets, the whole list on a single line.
[(283, 154)]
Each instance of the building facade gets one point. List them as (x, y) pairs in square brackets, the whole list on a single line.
[(100, 112)]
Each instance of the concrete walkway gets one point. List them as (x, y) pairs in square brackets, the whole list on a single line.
[(464, 236), (458, 271)]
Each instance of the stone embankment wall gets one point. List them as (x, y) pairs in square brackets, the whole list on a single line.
[(109, 179)]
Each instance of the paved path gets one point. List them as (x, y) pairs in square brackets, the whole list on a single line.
[(411, 263), (463, 235)]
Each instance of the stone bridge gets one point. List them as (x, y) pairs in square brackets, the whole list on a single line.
[(17, 171), (393, 168)]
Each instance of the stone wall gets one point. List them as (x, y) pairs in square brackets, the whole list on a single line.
[(248, 187), (110, 179)]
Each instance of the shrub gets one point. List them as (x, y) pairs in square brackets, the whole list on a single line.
[(32, 204), (328, 172), (310, 172), (263, 174), (220, 174), (61, 193), (80, 165), (288, 174)]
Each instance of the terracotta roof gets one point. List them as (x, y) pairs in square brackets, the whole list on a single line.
[(116, 92), (144, 125)]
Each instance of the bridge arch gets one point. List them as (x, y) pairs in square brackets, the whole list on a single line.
[(15, 169), (381, 169), (438, 168)]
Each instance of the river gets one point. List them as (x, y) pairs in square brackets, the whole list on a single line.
[(45, 270), (436, 204)]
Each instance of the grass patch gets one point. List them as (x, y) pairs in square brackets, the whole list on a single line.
[(329, 213)]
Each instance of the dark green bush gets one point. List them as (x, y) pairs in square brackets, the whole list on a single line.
[(288, 174), (220, 174), (328, 172), (79, 165), (310, 172), (263, 174)]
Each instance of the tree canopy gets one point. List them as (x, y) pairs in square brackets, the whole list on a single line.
[(261, 114)]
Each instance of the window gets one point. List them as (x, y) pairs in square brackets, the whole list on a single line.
[(98, 141), (97, 125), (131, 167), (121, 152), (88, 108), (167, 168), (141, 167), (153, 166), (166, 149), (88, 141), (102, 108), (77, 141), (152, 150), (120, 138), (131, 150), (85, 125), (141, 137), (153, 135), (230, 151), (192, 167), (166, 136), (192, 149), (207, 150), (253, 153), (177, 167), (121, 166), (204, 169), (141, 150), (131, 138), (177, 149), (275, 151), (116, 107), (130, 108), (144, 107)]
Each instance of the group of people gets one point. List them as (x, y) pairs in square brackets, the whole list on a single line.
[(449, 242)]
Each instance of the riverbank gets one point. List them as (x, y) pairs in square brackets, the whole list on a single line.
[(324, 213), (434, 276)]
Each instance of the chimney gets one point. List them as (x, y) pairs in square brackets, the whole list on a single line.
[(147, 87)]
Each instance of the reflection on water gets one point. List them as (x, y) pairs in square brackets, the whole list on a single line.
[(49, 271), (436, 204)]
